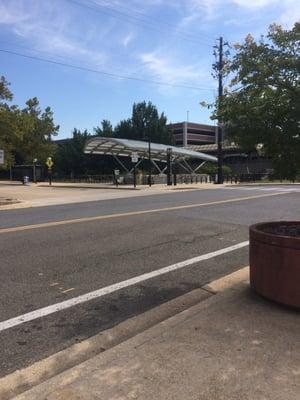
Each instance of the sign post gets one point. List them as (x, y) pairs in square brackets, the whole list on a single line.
[(134, 159), (49, 164), (116, 175)]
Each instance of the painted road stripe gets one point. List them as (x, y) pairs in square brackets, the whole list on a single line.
[(131, 213), (68, 290), (42, 312), (265, 189)]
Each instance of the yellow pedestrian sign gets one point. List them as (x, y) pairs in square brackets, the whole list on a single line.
[(49, 162)]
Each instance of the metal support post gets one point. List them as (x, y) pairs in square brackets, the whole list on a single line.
[(134, 175), (120, 162), (149, 156), (199, 166), (156, 166), (169, 167), (136, 165)]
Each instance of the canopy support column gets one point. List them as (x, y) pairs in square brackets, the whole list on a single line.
[(136, 165), (156, 166), (199, 166), (183, 166), (188, 166), (120, 163)]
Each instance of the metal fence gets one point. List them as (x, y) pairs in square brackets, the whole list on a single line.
[(107, 179), (143, 179)]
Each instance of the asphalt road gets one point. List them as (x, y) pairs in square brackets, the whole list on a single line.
[(46, 265)]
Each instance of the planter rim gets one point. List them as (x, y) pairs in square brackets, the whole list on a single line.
[(256, 233)]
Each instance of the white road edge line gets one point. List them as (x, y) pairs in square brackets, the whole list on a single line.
[(42, 312)]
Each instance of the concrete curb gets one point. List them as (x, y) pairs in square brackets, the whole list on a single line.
[(54, 186)]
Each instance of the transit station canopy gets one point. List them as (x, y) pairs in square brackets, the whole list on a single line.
[(127, 148)]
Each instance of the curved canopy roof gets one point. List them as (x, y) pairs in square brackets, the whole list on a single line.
[(126, 147)]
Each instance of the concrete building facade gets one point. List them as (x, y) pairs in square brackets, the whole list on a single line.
[(190, 133)]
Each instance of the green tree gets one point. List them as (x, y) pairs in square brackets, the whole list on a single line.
[(145, 121), (5, 93), (10, 130), (123, 130), (26, 133), (262, 106), (37, 127), (70, 158), (106, 129)]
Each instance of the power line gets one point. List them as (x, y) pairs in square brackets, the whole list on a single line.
[(155, 20), (110, 74), (48, 54), (104, 9)]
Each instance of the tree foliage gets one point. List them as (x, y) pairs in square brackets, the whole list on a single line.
[(8, 126), (262, 106), (70, 158), (25, 133), (105, 130), (145, 122)]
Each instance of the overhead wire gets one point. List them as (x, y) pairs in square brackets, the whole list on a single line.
[(106, 73), (105, 9), (48, 54), (151, 19)]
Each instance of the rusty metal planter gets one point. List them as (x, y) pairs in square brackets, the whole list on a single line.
[(275, 263)]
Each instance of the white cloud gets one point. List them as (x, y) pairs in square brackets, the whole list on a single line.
[(207, 10), (13, 14), (46, 28), (127, 39), (62, 29), (291, 14), (254, 3), (169, 70)]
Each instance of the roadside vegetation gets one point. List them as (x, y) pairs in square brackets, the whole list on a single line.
[(261, 106)]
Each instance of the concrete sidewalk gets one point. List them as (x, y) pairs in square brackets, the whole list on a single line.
[(15, 195), (234, 345)]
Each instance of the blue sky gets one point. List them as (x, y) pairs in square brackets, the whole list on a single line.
[(168, 41)]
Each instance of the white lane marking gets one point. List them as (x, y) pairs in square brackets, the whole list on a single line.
[(265, 189), (42, 312)]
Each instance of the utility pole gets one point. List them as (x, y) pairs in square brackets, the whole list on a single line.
[(219, 67)]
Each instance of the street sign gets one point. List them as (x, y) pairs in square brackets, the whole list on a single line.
[(49, 162), (134, 157), (1, 156)]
